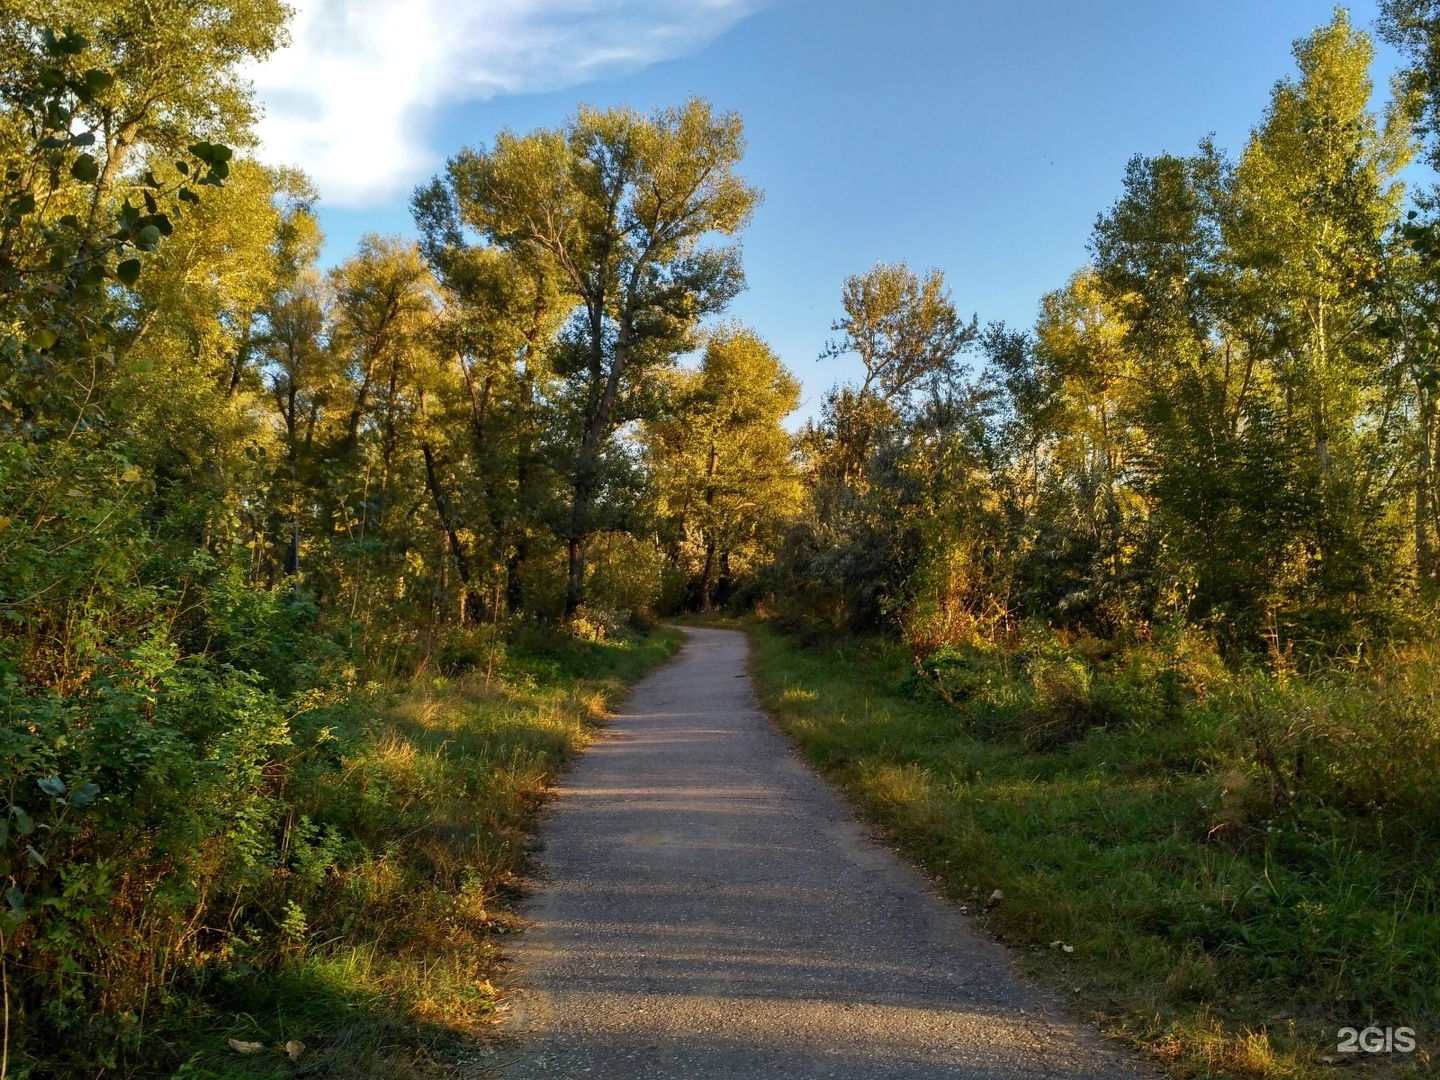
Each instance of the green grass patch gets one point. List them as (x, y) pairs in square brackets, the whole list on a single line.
[(1228, 909)]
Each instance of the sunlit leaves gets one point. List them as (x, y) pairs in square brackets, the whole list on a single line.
[(622, 210), (722, 461)]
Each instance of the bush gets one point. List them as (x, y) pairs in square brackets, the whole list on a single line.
[(1365, 742), (152, 797), (1066, 704)]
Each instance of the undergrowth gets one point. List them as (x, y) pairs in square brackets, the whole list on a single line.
[(1223, 868), (361, 933)]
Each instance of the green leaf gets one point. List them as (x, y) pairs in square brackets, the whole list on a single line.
[(23, 825), (148, 237), (65, 44), (43, 339), (129, 271), (85, 794), (15, 898), (22, 205), (85, 169), (183, 168), (52, 786), (186, 195), (97, 80)]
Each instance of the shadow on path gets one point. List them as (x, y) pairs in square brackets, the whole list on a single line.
[(711, 909)]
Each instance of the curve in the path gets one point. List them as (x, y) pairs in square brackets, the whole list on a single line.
[(710, 908)]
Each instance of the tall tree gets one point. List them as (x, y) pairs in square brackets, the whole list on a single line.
[(1413, 27), (504, 312), (724, 462), (623, 207), (1316, 197), (906, 331), (381, 332)]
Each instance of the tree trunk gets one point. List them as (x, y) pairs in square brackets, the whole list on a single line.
[(390, 440), (524, 501), (524, 473), (514, 582), (470, 603), (1425, 494), (292, 553), (587, 462), (575, 581), (724, 585), (707, 576), (237, 368)]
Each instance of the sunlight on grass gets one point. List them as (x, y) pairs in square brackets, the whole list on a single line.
[(396, 967), (793, 695)]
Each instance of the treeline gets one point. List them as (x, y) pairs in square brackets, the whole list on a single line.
[(1225, 419), (1141, 602)]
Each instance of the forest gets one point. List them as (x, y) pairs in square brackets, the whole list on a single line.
[(310, 577)]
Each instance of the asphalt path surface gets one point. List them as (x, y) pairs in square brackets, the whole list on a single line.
[(708, 907)]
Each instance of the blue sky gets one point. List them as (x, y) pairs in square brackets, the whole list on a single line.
[(979, 138)]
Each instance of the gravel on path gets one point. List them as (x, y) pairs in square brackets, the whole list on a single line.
[(709, 907)]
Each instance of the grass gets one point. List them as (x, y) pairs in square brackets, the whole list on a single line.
[(393, 966), (1168, 857)]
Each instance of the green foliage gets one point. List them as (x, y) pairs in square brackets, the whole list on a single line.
[(620, 213), (182, 825), (723, 465), (240, 498), (889, 464), (1226, 418), (232, 499)]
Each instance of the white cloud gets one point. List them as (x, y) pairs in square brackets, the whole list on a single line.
[(348, 100)]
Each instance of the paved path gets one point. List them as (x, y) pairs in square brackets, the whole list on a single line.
[(711, 909)]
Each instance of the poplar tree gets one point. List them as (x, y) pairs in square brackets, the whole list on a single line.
[(723, 460), (624, 209), (1316, 196)]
